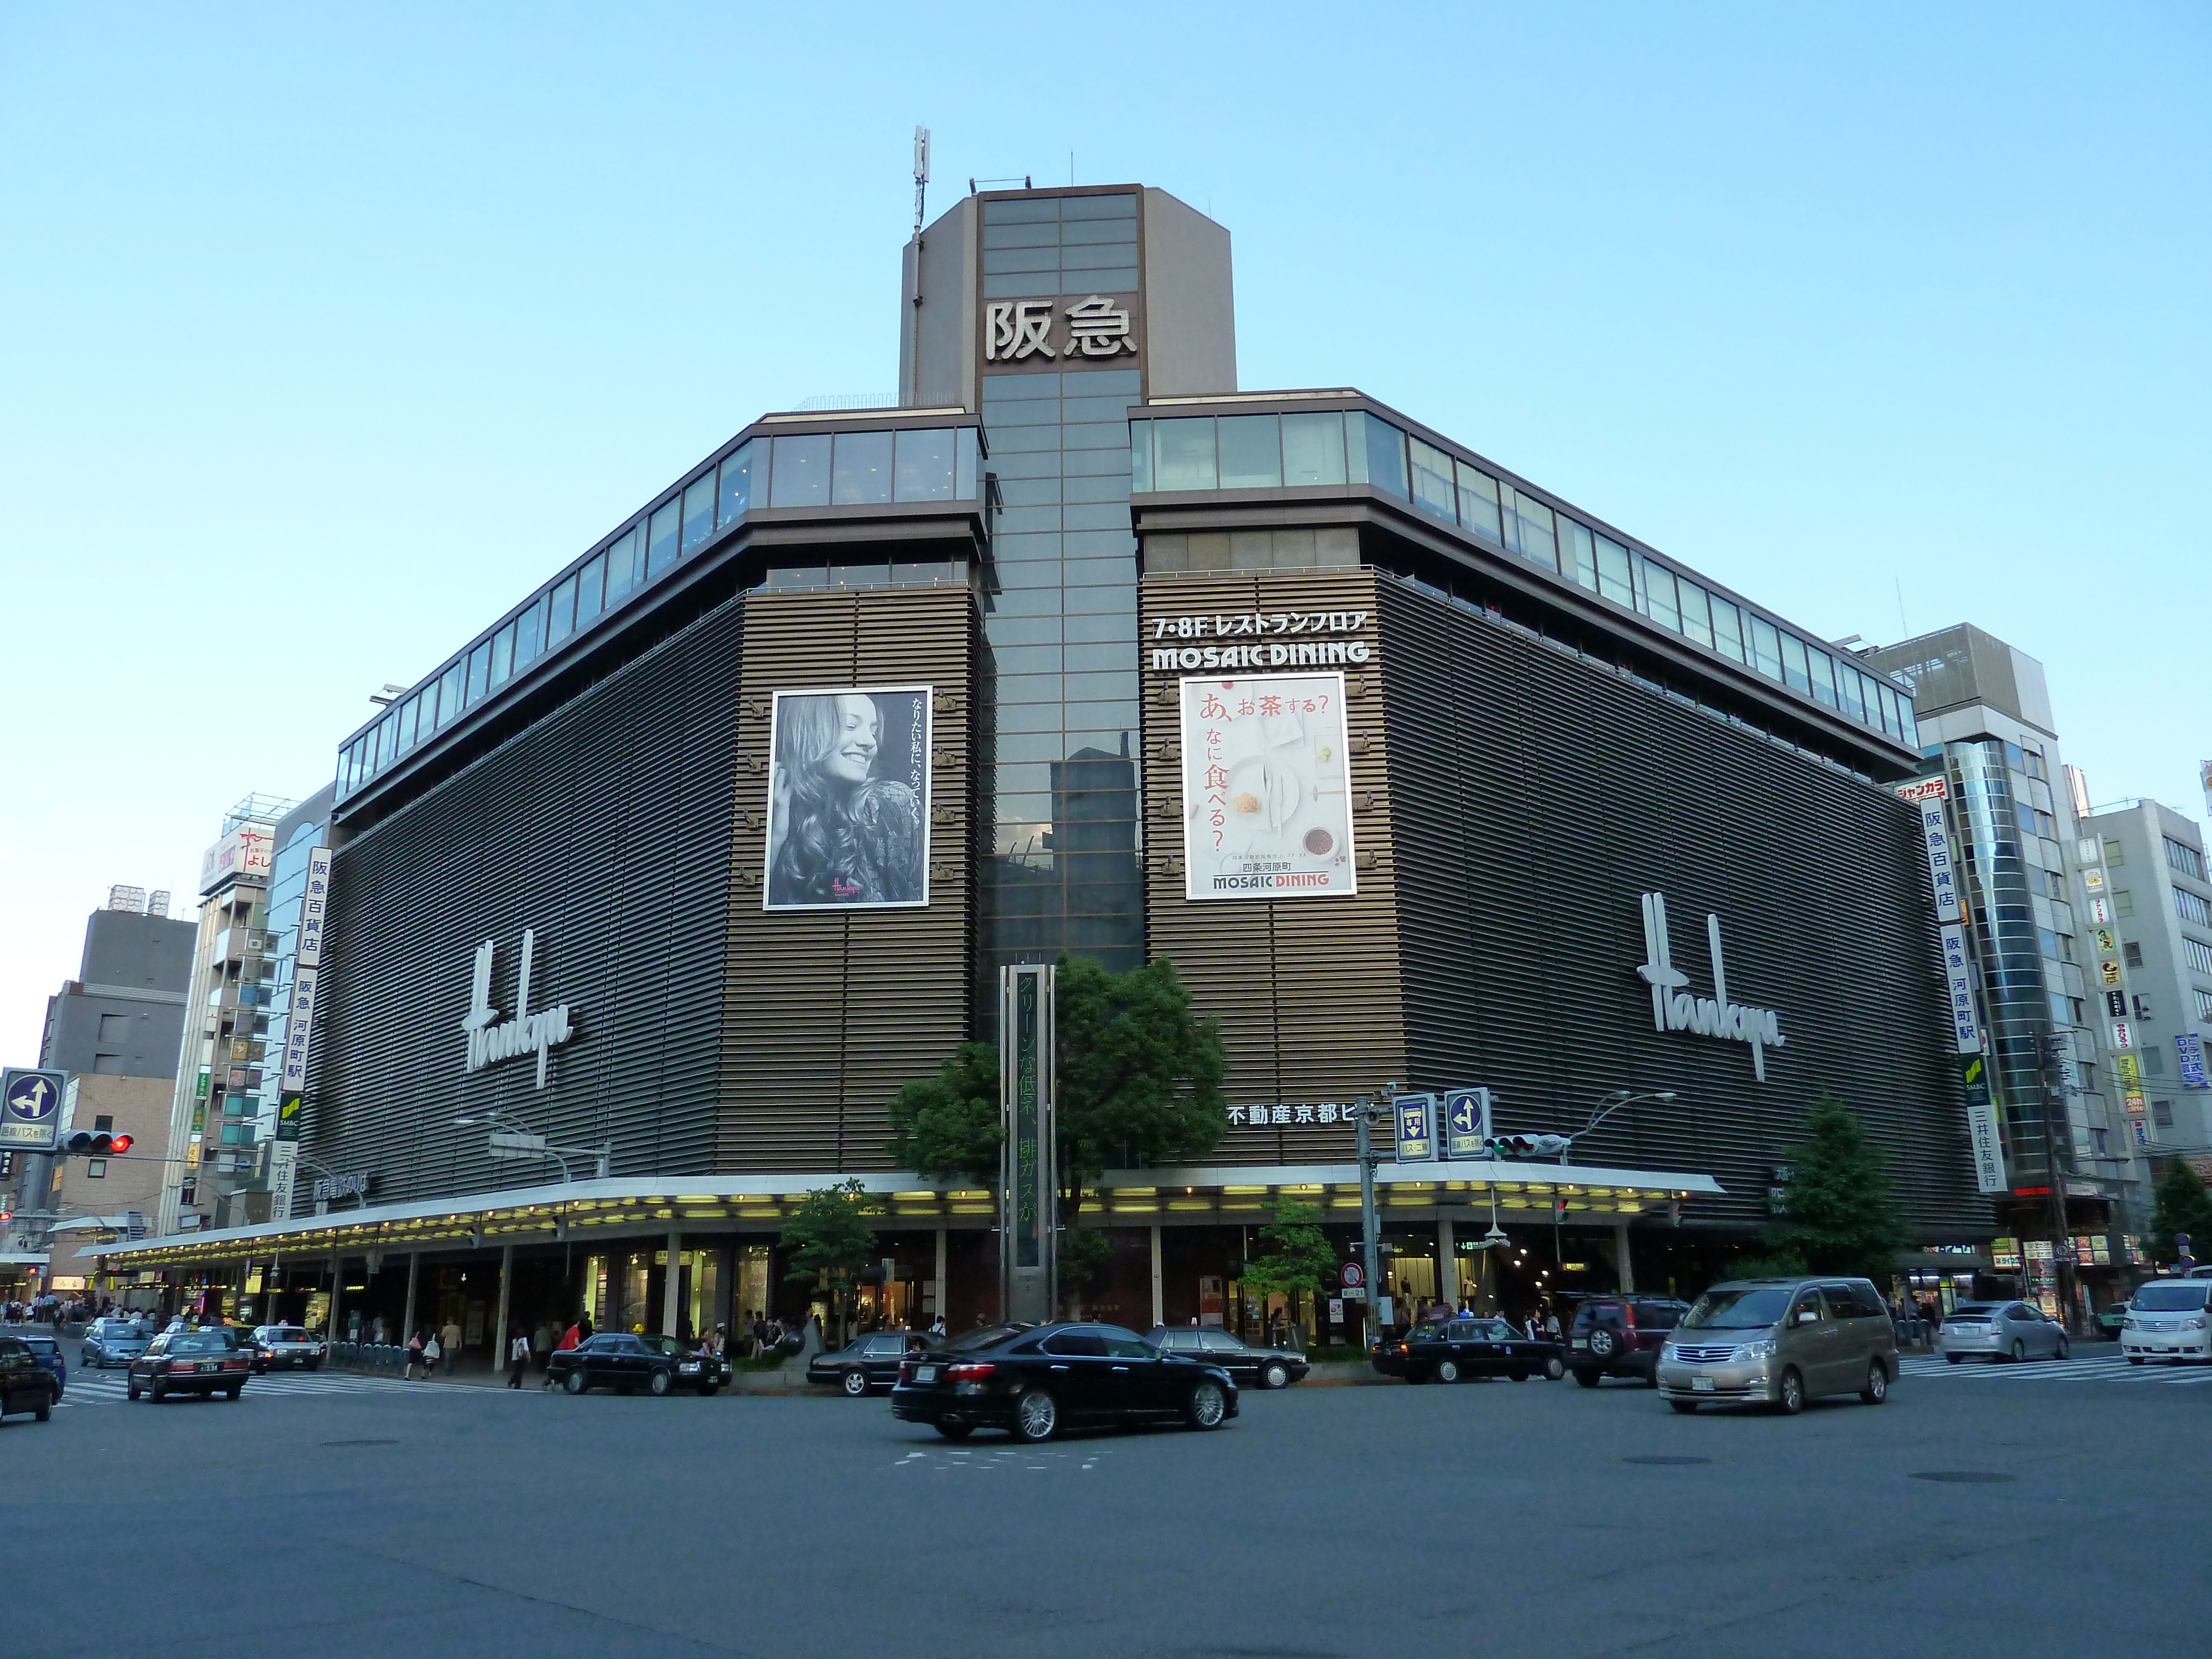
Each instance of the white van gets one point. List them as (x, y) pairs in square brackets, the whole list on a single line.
[(2168, 1320)]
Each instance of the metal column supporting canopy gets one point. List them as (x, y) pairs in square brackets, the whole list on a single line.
[(1029, 1198)]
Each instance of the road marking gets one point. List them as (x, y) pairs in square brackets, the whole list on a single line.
[(111, 1387), (945, 1459), (2108, 1368)]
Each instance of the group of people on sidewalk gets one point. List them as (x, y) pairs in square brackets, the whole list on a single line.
[(429, 1349)]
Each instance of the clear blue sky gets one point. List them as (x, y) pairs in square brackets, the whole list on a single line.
[(328, 333)]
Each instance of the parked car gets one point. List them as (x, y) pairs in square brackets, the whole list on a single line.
[(274, 1347), (1037, 1380), (625, 1361), (112, 1342), (871, 1361), (1621, 1336), (45, 1353), (1999, 1330), (25, 1385), (1459, 1350), (2112, 1320), (1253, 1368), (2168, 1320), (204, 1362), (1780, 1342)]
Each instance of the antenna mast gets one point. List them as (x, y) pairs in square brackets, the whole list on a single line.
[(920, 174)]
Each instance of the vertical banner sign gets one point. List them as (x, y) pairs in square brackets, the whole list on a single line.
[(1466, 1122), (1417, 1133), (1958, 970), (1929, 794), (1028, 1188), (2131, 1090), (2192, 1060), (1982, 1126), (299, 1023)]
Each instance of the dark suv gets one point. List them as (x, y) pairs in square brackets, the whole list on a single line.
[(1621, 1336)]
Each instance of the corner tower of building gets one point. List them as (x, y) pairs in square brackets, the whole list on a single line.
[(1051, 313)]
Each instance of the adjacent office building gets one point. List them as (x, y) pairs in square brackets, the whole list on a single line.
[(2029, 930), (214, 1123), (1417, 770), (2153, 963)]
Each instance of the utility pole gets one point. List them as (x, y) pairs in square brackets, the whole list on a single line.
[(1365, 1110), (2052, 1047)]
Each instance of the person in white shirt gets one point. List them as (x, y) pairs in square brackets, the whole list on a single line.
[(518, 1359)]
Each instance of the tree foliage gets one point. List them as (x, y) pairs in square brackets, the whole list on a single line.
[(1836, 1216), (1140, 1073), (1297, 1255), (2181, 1206), (830, 1242), (1139, 1081), (948, 1126)]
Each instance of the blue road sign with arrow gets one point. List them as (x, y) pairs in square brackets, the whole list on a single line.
[(30, 1108)]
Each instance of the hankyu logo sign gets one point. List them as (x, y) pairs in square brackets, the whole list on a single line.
[(1673, 1008), (491, 1040), (1017, 331)]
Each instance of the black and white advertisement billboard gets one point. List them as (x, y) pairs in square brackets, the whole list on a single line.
[(848, 799), (1266, 808)]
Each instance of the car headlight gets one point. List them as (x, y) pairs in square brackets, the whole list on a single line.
[(2195, 1322), (1762, 1349)]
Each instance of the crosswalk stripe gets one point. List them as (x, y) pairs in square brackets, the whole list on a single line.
[(2106, 1369), (111, 1387)]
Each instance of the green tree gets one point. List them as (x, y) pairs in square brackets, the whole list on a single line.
[(1138, 1077), (830, 1242), (948, 1126), (2182, 1205), (1296, 1256), (1837, 1217)]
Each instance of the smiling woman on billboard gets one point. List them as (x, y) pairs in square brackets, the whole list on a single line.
[(848, 799)]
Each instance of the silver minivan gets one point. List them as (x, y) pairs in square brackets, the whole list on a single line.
[(1780, 1342)]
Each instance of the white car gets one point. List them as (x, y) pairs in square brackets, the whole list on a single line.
[(2166, 1319)]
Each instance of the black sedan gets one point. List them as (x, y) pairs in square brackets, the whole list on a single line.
[(1253, 1368), (1036, 1380), (25, 1386), (190, 1362), (626, 1363), (1457, 1350), (871, 1361)]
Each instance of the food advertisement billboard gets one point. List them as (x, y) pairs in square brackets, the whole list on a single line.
[(1266, 801)]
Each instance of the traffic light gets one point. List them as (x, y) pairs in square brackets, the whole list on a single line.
[(1527, 1145), (91, 1143)]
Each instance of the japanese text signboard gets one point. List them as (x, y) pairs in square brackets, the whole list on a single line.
[(1958, 971), (31, 1109), (1061, 331), (1982, 1126), (1029, 1214), (1267, 800), (1416, 1116), (2192, 1060), (1928, 795)]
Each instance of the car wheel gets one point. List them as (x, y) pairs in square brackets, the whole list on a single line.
[(1685, 1407), (1448, 1371), (952, 1430), (1207, 1406), (659, 1385), (854, 1384), (232, 1393), (1792, 1399), (1955, 1359), (130, 1389), (1602, 1343), (1275, 1374), (1037, 1416), (158, 1390), (2063, 1348), (1877, 1383), (1555, 1368), (45, 1412), (574, 1381), (1587, 1377), (2019, 1350)]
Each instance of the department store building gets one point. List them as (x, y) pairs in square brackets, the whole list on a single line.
[(1418, 771)]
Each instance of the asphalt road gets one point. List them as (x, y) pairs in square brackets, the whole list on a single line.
[(1533, 1518)]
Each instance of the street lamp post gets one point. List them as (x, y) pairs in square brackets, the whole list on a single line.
[(1608, 1104), (1366, 1109)]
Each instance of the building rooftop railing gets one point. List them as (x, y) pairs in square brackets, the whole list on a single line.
[(1279, 446), (851, 457)]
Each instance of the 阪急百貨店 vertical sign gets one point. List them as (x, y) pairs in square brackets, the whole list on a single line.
[(1028, 1212), (1266, 798)]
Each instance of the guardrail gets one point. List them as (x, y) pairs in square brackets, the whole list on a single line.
[(387, 1357)]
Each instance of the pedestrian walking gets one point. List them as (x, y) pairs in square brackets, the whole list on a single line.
[(449, 1343), (518, 1359), (430, 1352), (414, 1356), (541, 1342)]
